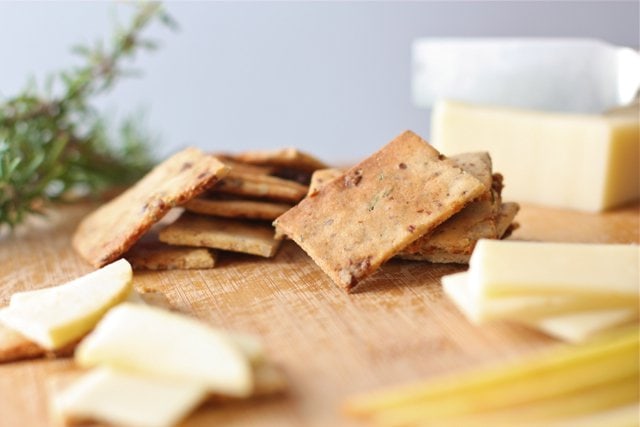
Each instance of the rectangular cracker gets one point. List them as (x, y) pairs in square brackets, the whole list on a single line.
[(108, 232), (320, 178), (160, 256), (504, 222), (248, 209), (398, 194), (283, 157), (226, 234), (261, 186), (456, 237)]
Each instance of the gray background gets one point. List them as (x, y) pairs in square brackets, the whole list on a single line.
[(332, 78)]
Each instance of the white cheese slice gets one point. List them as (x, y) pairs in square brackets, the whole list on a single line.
[(53, 317), (157, 342), (507, 267), (585, 162), (576, 327), (123, 398), (571, 326)]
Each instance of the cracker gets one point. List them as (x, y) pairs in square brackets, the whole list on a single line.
[(504, 221), (261, 186), (226, 234), (112, 229), (320, 178), (245, 167), (381, 205), (160, 256), (249, 209), (455, 238), (282, 157)]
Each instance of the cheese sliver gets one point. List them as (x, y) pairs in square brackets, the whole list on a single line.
[(522, 308), (507, 267), (576, 327), (585, 162), (53, 317), (157, 342), (122, 398)]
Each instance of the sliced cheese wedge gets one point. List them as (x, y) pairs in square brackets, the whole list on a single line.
[(507, 267), (576, 327), (53, 317), (116, 397), (157, 342), (524, 308), (571, 326)]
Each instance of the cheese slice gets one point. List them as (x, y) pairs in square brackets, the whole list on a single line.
[(576, 327), (53, 317), (585, 162), (157, 342), (570, 326), (507, 267), (123, 398)]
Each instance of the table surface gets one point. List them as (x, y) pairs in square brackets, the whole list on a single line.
[(398, 328)]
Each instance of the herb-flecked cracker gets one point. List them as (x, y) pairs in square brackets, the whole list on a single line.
[(260, 186), (112, 229), (218, 233), (160, 256), (320, 178), (249, 209), (284, 157), (400, 193)]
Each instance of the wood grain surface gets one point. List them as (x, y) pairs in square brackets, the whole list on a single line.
[(398, 328)]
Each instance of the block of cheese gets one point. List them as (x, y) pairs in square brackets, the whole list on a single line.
[(116, 397), (584, 162), (508, 267)]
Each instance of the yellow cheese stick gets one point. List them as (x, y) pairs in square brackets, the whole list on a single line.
[(558, 374)]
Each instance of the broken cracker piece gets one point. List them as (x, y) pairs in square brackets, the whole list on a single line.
[(398, 194), (225, 234), (284, 157), (261, 186), (249, 209), (108, 232), (504, 223), (160, 256), (320, 178)]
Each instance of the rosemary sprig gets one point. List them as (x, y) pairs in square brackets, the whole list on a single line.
[(56, 145)]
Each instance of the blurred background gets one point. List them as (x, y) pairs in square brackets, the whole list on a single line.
[(332, 78)]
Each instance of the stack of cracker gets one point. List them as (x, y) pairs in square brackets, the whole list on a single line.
[(228, 201), (406, 200)]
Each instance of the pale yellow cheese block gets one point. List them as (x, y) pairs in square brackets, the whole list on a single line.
[(585, 162), (117, 397), (508, 267)]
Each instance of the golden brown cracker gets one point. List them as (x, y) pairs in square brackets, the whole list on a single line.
[(504, 222), (283, 157), (398, 194), (246, 167), (160, 256), (226, 234), (320, 178), (261, 186), (248, 209), (108, 232)]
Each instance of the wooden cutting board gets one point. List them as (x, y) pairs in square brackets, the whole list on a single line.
[(398, 328)]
